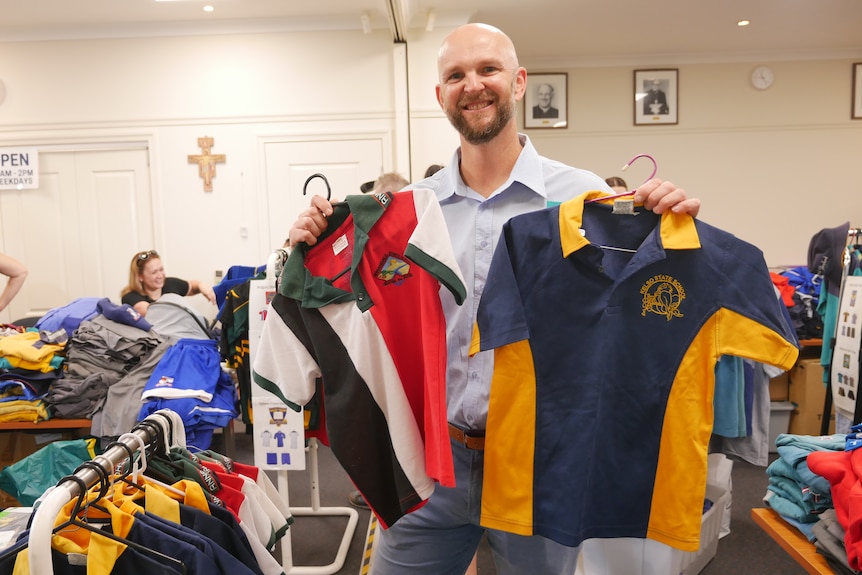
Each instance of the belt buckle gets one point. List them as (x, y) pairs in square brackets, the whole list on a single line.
[(467, 437)]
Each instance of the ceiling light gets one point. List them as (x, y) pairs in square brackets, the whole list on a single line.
[(209, 9), (743, 23)]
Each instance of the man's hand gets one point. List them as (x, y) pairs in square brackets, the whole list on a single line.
[(659, 196), (311, 222)]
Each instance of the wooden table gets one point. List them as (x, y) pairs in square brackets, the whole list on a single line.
[(792, 541), (54, 423), (82, 426)]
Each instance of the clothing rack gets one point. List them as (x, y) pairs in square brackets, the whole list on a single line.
[(854, 235), (55, 498)]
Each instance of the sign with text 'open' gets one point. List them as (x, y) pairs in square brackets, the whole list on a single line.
[(19, 168)]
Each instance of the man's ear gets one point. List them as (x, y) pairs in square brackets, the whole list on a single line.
[(438, 91), (520, 87)]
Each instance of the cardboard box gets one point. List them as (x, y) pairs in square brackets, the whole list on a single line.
[(779, 387), (808, 393)]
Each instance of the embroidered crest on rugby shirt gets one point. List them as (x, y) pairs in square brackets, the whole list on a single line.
[(393, 269), (662, 295)]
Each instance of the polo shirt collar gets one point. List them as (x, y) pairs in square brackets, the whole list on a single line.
[(675, 231), (299, 284), (527, 171)]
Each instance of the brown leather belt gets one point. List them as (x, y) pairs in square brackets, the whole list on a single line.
[(470, 439)]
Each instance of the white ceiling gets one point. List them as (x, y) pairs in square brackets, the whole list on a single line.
[(553, 33)]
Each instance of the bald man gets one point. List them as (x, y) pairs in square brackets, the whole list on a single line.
[(495, 174)]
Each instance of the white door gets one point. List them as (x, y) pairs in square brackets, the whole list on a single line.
[(346, 164), (78, 230)]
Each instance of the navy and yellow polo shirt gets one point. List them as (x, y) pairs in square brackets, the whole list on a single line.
[(607, 329)]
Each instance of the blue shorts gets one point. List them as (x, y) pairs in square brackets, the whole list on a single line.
[(441, 537)]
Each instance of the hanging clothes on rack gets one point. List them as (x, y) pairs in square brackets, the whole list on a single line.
[(845, 348), (833, 254), (825, 251), (742, 405), (114, 518), (236, 275), (234, 344), (234, 319)]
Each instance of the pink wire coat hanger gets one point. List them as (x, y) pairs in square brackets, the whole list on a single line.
[(631, 193)]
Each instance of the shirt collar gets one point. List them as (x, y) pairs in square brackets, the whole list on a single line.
[(527, 171), (676, 231)]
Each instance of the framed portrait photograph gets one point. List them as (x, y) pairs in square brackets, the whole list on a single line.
[(656, 97), (856, 110), (546, 101)]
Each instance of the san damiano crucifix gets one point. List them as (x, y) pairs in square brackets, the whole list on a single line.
[(207, 162)]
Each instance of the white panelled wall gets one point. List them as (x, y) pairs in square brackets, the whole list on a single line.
[(771, 166)]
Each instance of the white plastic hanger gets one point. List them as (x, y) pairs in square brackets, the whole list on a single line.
[(177, 435), (139, 465)]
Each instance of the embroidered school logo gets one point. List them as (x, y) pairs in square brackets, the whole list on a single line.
[(393, 269), (662, 295)]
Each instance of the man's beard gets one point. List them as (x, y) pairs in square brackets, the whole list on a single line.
[(505, 113)]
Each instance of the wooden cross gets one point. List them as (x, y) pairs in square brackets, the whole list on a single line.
[(207, 162)]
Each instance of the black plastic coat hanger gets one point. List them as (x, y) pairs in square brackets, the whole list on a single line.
[(328, 197), (156, 432), (104, 476), (322, 177), (74, 521)]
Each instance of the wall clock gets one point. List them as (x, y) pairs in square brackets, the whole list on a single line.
[(762, 77)]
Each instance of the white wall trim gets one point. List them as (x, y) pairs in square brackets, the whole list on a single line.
[(10, 128)]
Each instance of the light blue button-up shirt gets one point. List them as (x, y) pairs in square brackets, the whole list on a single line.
[(474, 224)]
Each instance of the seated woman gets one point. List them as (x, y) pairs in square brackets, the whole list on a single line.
[(147, 283)]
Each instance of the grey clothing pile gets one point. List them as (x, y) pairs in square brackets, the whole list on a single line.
[(103, 354), (830, 542)]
